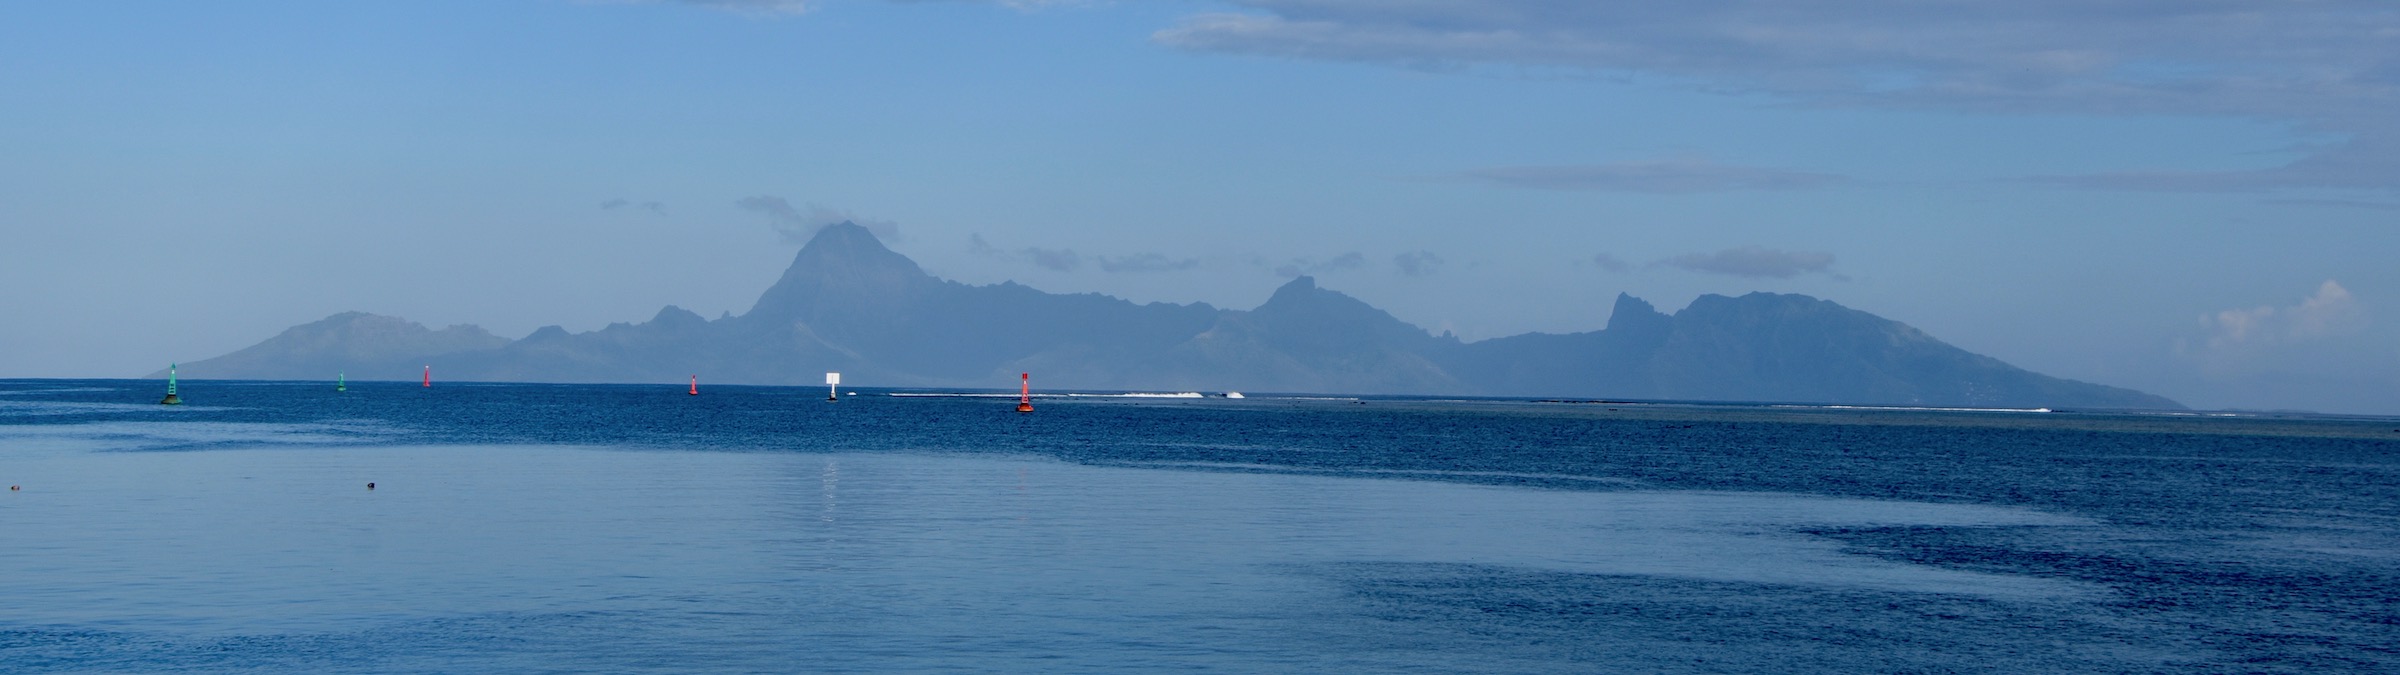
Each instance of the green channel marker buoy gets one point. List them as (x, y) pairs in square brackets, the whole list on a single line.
[(171, 398), (341, 381)]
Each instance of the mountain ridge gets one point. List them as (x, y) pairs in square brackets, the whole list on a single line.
[(849, 304)]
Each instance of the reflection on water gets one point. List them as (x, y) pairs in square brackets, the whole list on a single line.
[(903, 556), (571, 528)]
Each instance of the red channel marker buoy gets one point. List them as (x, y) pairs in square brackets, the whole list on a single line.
[(1025, 395)]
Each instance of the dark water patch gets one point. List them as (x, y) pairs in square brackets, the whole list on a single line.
[(1649, 624)]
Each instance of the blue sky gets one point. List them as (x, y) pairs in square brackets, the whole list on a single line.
[(2199, 199)]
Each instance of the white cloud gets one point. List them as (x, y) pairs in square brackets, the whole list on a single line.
[(2324, 338), (2328, 66), (2329, 313)]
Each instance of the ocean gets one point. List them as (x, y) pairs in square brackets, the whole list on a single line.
[(622, 528)]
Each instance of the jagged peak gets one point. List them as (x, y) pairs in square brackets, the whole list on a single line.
[(1630, 311), (673, 314)]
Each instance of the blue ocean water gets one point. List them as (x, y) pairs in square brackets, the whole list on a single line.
[(581, 528)]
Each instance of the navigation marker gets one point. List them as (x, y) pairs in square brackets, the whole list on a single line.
[(341, 381), (429, 376), (171, 398), (1025, 394), (695, 385), (833, 380)]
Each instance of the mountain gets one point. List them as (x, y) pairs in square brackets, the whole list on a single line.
[(849, 304), (354, 342)]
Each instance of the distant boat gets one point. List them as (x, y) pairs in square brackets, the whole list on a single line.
[(1233, 394)]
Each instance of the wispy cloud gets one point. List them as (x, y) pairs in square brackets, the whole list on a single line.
[(614, 204), (2341, 203), (1611, 262), (797, 224), (2329, 66), (1067, 260), (1757, 262), (768, 7), (1658, 177), (1306, 266), (1053, 259), (747, 6), (1147, 262), (1418, 263)]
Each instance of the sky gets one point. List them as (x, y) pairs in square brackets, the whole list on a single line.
[(2196, 198)]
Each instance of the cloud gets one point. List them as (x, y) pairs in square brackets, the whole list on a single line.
[(1067, 260), (1056, 259), (796, 225), (752, 6), (773, 7), (1657, 177), (614, 204), (1610, 262), (2342, 203), (2329, 66), (1147, 262), (1418, 263), (1756, 262), (2323, 335), (978, 246), (1306, 266), (2331, 312)]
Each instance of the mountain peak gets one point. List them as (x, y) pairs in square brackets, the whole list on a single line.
[(845, 235), (1635, 315), (843, 259)]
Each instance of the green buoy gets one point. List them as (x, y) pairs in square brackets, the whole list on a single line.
[(171, 398), (341, 381)]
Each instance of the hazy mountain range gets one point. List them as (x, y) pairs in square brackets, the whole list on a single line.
[(849, 304)]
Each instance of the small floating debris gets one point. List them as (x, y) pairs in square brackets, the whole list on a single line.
[(370, 486)]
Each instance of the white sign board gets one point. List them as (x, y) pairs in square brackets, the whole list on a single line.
[(833, 378)]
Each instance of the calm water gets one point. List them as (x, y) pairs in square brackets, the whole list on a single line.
[(531, 528)]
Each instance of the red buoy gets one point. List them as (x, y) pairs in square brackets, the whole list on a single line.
[(1025, 394), (695, 385), (429, 376)]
